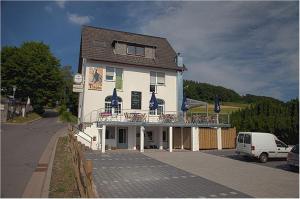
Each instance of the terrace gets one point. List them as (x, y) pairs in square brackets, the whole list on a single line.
[(148, 118)]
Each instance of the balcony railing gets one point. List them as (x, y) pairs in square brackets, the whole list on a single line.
[(145, 116)]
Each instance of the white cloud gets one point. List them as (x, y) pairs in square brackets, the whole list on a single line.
[(251, 47), (80, 20), (61, 4)]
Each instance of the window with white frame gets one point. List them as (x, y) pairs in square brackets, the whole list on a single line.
[(160, 108), (108, 108), (115, 74), (156, 79)]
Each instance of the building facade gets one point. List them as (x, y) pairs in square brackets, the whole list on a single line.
[(136, 66)]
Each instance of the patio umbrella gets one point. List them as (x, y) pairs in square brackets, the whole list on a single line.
[(114, 99), (217, 104), (153, 102), (184, 105)]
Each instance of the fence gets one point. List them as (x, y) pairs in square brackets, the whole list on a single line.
[(208, 138), (83, 168), (228, 138)]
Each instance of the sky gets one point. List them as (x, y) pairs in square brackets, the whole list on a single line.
[(250, 47)]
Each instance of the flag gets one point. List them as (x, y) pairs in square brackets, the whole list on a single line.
[(217, 104), (153, 102)]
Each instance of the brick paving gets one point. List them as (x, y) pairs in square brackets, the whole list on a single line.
[(131, 174)]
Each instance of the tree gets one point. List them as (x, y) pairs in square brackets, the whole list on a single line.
[(267, 115), (35, 72), (70, 99)]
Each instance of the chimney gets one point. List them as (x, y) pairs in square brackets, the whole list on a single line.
[(179, 60)]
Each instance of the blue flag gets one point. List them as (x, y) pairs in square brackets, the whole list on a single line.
[(114, 99), (184, 105), (217, 104), (153, 102)]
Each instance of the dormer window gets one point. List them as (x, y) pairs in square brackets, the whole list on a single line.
[(135, 50)]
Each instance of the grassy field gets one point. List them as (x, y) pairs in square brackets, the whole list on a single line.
[(63, 182), (30, 117), (226, 107)]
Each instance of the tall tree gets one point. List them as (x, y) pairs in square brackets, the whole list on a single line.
[(35, 71), (267, 115), (70, 99)]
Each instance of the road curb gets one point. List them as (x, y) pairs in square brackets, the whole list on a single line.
[(24, 123), (39, 183)]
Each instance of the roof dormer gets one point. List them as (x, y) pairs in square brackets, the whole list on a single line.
[(134, 49)]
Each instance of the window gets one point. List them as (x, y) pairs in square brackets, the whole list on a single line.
[(150, 135), (165, 136), (115, 74), (160, 108), (160, 78), (136, 100), (110, 73), (280, 144), (108, 108), (240, 138), (135, 50), (110, 133), (156, 78), (247, 139)]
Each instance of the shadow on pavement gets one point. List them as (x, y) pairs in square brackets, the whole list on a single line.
[(49, 113)]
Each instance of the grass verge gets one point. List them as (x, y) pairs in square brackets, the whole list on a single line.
[(63, 182), (30, 117)]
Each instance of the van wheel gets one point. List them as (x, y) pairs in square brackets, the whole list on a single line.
[(263, 158)]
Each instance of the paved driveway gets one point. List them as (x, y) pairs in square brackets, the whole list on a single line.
[(21, 149), (253, 179), (277, 163), (132, 174)]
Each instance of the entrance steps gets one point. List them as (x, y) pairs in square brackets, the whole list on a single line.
[(89, 136)]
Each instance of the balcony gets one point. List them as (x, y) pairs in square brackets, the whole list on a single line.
[(167, 118)]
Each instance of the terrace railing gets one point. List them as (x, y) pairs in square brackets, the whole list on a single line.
[(145, 116)]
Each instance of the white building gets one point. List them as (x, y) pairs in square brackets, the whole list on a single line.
[(136, 65)]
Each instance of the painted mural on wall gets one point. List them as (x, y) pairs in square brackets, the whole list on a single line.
[(95, 78)]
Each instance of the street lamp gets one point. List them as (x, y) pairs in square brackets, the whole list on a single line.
[(14, 90)]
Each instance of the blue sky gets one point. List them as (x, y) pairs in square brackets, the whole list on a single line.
[(251, 47)]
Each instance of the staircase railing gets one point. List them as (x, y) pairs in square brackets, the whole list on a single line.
[(77, 131)]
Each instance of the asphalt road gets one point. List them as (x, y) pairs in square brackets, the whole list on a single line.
[(21, 149), (277, 163)]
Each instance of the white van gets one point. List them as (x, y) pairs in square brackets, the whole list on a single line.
[(261, 146)]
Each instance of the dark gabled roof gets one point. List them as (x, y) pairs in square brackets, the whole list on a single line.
[(96, 44)]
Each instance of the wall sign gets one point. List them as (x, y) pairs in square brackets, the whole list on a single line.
[(78, 78), (136, 100), (95, 78)]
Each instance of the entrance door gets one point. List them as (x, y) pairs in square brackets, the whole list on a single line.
[(122, 138)]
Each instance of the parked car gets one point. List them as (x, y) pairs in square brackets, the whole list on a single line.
[(261, 145), (293, 157)]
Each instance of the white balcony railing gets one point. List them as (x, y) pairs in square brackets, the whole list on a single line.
[(144, 116)]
